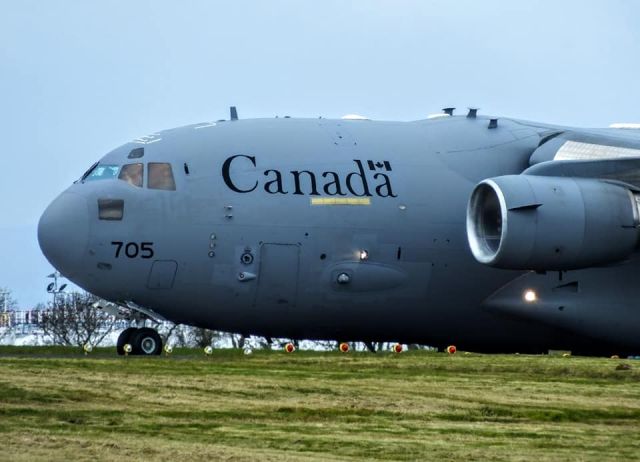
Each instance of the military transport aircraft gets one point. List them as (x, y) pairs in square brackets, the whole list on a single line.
[(496, 235)]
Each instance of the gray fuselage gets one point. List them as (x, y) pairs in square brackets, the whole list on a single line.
[(268, 214)]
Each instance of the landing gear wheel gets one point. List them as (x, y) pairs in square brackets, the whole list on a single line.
[(146, 342), (124, 338)]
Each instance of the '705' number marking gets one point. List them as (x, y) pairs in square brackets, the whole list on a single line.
[(133, 249)]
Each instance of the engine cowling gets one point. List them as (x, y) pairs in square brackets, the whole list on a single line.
[(551, 223)]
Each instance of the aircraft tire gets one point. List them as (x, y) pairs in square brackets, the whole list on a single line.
[(123, 339), (146, 342)]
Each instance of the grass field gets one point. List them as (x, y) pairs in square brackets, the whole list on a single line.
[(57, 404)]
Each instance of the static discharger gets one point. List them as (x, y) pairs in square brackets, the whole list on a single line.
[(289, 347), (344, 347)]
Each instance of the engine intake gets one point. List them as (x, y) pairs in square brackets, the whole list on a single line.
[(531, 222)]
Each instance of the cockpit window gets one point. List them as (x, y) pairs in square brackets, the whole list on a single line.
[(132, 174), (103, 172), (88, 172), (136, 153), (161, 177)]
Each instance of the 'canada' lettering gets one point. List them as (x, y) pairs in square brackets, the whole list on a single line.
[(240, 175)]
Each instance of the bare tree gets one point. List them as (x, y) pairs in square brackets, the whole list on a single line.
[(7, 302), (179, 335), (238, 340), (71, 319), (182, 335), (6, 329), (167, 331), (201, 337)]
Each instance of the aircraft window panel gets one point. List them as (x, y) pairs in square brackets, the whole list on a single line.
[(103, 172), (160, 176), (136, 153), (110, 209), (132, 174)]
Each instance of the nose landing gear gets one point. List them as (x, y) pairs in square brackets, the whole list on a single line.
[(144, 341)]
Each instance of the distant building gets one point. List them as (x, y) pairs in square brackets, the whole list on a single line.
[(11, 318)]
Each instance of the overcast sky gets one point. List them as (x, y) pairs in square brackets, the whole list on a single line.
[(79, 78)]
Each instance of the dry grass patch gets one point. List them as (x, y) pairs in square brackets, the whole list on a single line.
[(317, 406)]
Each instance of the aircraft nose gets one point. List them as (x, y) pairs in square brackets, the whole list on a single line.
[(63, 232)]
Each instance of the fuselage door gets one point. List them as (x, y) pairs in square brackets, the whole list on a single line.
[(162, 274), (278, 278)]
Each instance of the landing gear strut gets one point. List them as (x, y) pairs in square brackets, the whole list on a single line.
[(144, 341)]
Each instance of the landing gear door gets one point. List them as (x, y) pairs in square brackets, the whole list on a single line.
[(278, 278)]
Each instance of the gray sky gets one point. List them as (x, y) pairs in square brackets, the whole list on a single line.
[(79, 78)]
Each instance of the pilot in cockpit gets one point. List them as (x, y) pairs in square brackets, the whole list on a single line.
[(132, 174)]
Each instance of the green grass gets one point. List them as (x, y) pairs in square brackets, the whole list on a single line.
[(58, 404)]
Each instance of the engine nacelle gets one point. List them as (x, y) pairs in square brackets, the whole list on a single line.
[(551, 223)]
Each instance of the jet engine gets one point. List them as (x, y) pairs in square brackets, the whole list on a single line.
[(528, 222)]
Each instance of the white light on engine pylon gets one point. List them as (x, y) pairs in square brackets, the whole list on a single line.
[(364, 255), (530, 296)]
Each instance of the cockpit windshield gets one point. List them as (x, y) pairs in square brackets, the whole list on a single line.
[(160, 175), (102, 172)]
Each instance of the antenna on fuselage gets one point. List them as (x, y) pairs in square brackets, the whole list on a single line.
[(233, 113), (448, 110)]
